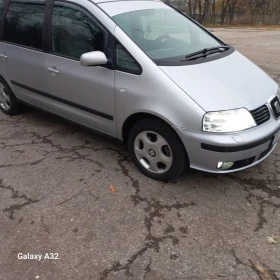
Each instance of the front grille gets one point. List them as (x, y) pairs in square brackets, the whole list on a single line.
[(261, 115)]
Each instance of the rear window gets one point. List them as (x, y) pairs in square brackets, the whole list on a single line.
[(24, 24)]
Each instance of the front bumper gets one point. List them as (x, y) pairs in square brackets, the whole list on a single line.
[(245, 148)]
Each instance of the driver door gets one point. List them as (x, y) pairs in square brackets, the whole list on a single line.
[(82, 94)]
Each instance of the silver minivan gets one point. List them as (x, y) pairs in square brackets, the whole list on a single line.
[(144, 73)]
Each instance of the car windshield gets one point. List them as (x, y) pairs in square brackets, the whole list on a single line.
[(164, 34)]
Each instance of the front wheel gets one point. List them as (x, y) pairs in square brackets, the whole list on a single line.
[(8, 102), (157, 150)]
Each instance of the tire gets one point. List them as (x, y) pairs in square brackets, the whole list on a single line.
[(8, 102), (157, 150)]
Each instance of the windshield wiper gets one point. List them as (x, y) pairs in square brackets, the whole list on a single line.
[(206, 52)]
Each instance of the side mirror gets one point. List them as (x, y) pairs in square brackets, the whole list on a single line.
[(93, 59)]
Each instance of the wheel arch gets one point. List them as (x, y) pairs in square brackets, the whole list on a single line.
[(136, 117)]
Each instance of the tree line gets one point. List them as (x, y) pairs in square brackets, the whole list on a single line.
[(254, 12)]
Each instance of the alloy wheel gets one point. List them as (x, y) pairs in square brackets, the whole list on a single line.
[(153, 152)]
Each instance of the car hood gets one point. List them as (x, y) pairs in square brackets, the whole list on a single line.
[(227, 83)]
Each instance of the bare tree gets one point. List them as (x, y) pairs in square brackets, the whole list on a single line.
[(230, 11)]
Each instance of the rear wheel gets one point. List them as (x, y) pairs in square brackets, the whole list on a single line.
[(8, 102), (157, 150)]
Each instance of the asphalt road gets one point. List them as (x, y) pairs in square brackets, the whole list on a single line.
[(78, 197)]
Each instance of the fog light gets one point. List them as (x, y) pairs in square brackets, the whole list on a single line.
[(225, 165)]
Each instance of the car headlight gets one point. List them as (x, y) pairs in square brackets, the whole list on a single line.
[(228, 121)]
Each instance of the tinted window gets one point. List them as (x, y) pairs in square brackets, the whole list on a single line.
[(24, 23), (74, 34), (125, 62), (1, 7)]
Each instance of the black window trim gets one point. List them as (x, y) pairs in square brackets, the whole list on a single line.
[(82, 9), (6, 7)]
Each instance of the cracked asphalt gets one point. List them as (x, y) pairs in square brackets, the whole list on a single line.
[(67, 191)]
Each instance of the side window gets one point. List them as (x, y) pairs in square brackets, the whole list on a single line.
[(74, 34), (1, 7), (125, 62), (24, 24)]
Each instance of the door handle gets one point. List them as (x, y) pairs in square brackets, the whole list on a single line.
[(53, 70), (3, 56)]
